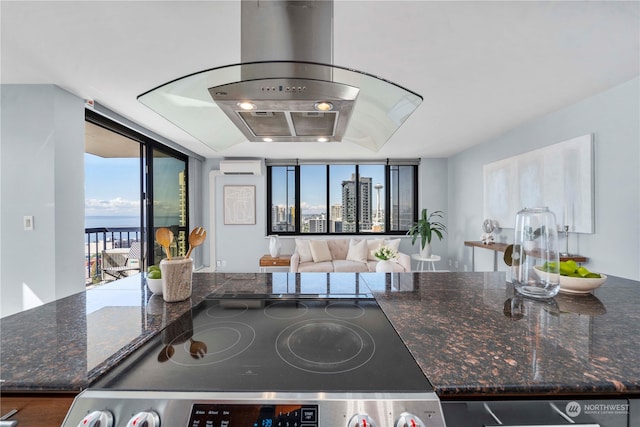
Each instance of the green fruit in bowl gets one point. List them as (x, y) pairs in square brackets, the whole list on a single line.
[(571, 268), (154, 274), (153, 268)]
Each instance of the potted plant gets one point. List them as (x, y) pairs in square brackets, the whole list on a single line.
[(426, 227)]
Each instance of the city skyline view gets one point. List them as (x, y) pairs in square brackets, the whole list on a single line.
[(347, 199), (314, 196)]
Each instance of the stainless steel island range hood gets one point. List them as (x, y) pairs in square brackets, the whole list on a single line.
[(286, 88)]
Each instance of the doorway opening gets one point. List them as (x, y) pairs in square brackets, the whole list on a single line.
[(133, 185)]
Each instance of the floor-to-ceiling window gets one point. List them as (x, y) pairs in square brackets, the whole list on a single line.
[(367, 197), (133, 185)]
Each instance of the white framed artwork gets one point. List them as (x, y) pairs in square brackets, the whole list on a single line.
[(239, 204), (559, 176)]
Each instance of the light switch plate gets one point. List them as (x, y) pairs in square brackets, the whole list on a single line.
[(28, 222)]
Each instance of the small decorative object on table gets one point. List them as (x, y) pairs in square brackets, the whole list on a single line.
[(274, 246), (488, 226)]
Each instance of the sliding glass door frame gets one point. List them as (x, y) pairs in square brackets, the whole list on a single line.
[(147, 148)]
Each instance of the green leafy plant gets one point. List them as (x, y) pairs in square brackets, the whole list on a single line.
[(426, 227)]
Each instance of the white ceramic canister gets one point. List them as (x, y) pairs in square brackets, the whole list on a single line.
[(177, 274)]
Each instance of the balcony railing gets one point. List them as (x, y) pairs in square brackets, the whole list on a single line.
[(101, 239)]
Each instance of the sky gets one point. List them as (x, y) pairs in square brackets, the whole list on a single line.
[(112, 186)]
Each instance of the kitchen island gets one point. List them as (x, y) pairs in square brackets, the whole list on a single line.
[(467, 332)]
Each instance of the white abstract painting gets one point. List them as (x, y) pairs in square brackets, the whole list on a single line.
[(559, 176), (239, 204)]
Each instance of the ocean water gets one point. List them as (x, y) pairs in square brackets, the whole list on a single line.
[(111, 221)]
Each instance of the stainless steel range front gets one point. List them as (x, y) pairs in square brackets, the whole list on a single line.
[(267, 361)]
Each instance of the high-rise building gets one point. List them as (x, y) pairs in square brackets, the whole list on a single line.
[(318, 225), (350, 208), (181, 238), (336, 212)]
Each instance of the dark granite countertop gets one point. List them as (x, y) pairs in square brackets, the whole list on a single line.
[(464, 329), (472, 337)]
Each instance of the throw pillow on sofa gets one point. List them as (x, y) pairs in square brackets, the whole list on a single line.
[(320, 250), (373, 245), (303, 249), (393, 244), (357, 250)]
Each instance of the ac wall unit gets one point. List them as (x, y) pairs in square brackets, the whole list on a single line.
[(241, 167)]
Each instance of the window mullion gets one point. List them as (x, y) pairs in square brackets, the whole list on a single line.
[(298, 210), (387, 198), (357, 185), (328, 199)]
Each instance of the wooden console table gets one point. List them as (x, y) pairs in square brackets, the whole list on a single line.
[(280, 262), (501, 247)]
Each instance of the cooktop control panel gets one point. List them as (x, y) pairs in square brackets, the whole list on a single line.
[(111, 408), (281, 415)]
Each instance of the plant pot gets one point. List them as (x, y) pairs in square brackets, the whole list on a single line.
[(426, 251)]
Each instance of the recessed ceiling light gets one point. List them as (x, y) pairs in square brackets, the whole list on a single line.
[(323, 106), (267, 139), (246, 105), (323, 139)]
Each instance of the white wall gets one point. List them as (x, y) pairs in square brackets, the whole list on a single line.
[(42, 174), (614, 119), (433, 195)]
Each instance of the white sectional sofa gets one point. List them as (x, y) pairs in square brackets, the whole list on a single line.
[(343, 255)]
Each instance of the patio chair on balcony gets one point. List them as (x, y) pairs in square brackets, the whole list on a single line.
[(117, 263)]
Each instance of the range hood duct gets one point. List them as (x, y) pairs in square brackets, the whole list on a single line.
[(286, 89), (286, 109), (276, 30)]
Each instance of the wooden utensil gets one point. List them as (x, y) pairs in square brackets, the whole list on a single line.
[(196, 238), (164, 237), (166, 353), (197, 349)]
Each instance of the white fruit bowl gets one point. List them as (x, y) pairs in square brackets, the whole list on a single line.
[(155, 286), (580, 285), (575, 285)]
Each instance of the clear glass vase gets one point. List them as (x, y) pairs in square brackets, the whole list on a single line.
[(535, 269)]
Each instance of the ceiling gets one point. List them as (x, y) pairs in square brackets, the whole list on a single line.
[(482, 68)]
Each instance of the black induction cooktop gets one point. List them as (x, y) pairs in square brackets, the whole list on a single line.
[(273, 344)]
